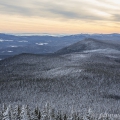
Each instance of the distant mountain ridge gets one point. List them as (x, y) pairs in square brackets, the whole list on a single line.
[(11, 44), (88, 44)]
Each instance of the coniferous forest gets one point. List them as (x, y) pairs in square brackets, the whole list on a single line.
[(81, 82), (24, 112)]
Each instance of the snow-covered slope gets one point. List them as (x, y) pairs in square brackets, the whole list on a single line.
[(82, 79)]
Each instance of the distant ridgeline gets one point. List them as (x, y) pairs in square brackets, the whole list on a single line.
[(13, 44)]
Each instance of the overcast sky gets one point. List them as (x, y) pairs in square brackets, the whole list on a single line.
[(60, 16)]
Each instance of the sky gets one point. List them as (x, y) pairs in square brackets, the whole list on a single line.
[(60, 16)]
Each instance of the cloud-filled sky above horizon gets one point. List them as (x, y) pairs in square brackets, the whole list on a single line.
[(60, 16)]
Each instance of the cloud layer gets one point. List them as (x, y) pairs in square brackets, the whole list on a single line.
[(52, 15), (66, 9)]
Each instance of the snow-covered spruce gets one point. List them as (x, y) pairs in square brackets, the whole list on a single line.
[(24, 112)]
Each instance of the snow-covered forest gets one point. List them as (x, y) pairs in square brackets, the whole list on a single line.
[(87, 76), (24, 112)]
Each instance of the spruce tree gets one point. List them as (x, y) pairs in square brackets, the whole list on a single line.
[(16, 112), (7, 113), (24, 115), (35, 115)]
